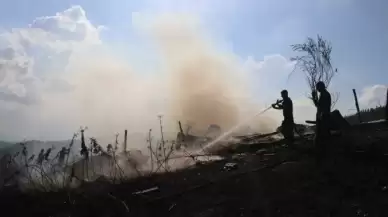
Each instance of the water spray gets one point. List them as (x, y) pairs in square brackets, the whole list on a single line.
[(227, 133)]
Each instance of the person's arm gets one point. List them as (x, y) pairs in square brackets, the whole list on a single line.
[(277, 106)]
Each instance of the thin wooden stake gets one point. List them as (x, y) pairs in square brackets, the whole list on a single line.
[(125, 140), (357, 106), (386, 107)]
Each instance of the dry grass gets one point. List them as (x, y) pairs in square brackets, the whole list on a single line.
[(352, 181)]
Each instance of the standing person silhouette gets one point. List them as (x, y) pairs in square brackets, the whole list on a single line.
[(323, 104)]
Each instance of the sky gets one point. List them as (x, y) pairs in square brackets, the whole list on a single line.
[(52, 52)]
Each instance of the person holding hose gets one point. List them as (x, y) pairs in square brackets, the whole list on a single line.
[(287, 127)]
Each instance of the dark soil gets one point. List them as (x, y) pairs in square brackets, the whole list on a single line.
[(351, 181)]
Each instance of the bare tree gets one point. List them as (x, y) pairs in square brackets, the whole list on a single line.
[(315, 62), (334, 99)]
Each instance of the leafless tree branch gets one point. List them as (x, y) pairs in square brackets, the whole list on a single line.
[(334, 99), (315, 61)]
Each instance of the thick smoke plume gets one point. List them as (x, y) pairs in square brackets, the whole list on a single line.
[(206, 86), (194, 82)]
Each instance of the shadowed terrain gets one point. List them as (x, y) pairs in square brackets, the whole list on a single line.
[(268, 180)]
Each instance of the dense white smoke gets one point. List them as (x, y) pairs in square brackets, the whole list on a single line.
[(193, 82), (196, 84)]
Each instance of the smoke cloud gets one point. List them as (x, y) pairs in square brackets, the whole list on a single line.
[(194, 82), (205, 85)]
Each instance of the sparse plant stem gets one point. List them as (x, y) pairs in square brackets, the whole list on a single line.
[(84, 153), (162, 137), (158, 161), (164, 162), (67, 157), (150, 149)]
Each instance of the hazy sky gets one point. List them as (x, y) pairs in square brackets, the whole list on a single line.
[(39, 38)]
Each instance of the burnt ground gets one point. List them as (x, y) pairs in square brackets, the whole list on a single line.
[(352, 181)]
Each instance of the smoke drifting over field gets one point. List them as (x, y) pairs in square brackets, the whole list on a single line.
[(194, 82)]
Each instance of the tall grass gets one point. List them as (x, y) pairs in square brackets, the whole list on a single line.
[(50, 174)]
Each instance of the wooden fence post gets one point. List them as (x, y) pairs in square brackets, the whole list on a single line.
[(357, 106), (386, 107), (125, 140)]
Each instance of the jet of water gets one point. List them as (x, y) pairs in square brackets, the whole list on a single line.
[(227, 133)]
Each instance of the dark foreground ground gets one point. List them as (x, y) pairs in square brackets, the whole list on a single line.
[(352, 181)]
